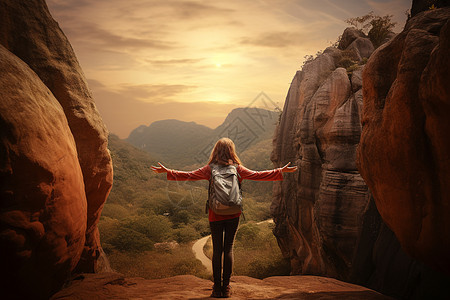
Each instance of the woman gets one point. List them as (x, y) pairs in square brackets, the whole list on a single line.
[(223, 153)]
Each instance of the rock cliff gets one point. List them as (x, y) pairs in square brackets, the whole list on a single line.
[(318, 211), (327, 221), (404, 154), (55, 168)]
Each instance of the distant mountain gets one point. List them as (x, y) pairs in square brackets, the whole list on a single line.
[(188, 143), (246, 126), (171, 140)]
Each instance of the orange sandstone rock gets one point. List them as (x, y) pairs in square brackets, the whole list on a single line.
[(28, 30), (318, 211), (56, 168), (404, 154), (115, 286), (43, 209)]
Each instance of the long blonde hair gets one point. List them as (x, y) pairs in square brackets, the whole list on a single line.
[(224, 153)]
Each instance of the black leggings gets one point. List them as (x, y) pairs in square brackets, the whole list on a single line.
[(225, 246)]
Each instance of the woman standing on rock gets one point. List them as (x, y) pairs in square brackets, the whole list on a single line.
[(223, 154)]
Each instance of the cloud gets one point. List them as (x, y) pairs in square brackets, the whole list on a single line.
[(67, 5), (174, 62), (192, 9), (280, 39), (93, 34), (143, 11), (143, 92), (154, 92), (106, 25), (122, 111), (136, 25)]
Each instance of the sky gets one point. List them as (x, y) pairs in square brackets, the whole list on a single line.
[(149, 60)]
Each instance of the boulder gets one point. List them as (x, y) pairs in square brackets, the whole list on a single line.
[(28, 30), (361, 48), (43, 211), (356, 79), (350, 34)]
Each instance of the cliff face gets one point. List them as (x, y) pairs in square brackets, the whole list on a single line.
[(404, 155), (55, 168), (318, 211), (328, 222)]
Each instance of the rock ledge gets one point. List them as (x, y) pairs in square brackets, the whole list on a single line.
[(115, 286)]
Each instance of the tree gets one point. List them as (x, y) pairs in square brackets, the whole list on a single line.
[(130, 240), (155, 228), (377, 28), (381, 29), (361, 23)]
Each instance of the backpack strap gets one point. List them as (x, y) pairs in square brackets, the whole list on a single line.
[(240, 190), (209, 190)]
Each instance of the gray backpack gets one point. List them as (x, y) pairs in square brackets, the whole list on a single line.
[(224, 196)]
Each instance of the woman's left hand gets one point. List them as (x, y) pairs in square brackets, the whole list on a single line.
[(160, 169), (287, 169)]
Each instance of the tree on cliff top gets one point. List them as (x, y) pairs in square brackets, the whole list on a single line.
[(377, 28)]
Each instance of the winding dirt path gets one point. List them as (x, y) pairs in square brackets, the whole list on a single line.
[(270, 221), (197, 248)]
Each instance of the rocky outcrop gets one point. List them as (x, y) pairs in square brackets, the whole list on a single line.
[(318, 211), (404, 155), (349, 36), (55, 167), (115, 286), (326, 219)]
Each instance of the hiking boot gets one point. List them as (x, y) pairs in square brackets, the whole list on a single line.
[(226, 291), (216, 292)]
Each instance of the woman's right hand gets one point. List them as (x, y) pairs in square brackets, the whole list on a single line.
[(160, 169), (287, 169)]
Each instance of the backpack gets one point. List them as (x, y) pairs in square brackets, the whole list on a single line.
[(224, 195)]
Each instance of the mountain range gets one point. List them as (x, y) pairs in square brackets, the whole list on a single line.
[(185, 144)]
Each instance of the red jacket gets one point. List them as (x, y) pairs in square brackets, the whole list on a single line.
[(244, 173)]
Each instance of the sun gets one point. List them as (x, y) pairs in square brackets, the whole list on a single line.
[(218, 65)]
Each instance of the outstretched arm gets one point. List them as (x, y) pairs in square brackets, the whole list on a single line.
[(287, 169), (160, 169), (267, 175), (199, 174)]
